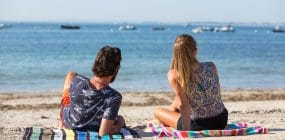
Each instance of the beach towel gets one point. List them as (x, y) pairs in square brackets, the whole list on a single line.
[(35, 133), (233, 129)]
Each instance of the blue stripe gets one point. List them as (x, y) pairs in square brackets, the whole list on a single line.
[(81, 135), (93, 135)]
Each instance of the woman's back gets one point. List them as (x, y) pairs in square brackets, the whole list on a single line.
[(206, 96), (197, 104)]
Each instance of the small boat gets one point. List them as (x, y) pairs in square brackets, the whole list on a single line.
[(197, 30), (2, 26), (202, 29), (69, 27), (227, 28), (187, 25), (158, 28), (207, 28), (278, 29), (127, 28)]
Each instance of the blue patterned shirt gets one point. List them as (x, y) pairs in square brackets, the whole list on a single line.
[(88, 106)]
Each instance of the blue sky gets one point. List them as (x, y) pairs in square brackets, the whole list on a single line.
[(166, 11)]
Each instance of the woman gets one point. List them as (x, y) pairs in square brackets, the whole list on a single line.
[(197, 104), (92, 103)]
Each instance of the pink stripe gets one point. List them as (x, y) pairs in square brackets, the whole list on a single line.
[(240, 132), (226, 132), (177, 133), (167, 132), (241, 124)]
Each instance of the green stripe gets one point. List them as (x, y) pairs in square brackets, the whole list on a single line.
[(36, 133), (105, 137), (116, 137), (207, 133), (250, 131)]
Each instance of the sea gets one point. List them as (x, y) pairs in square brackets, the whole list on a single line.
[(35, 57)]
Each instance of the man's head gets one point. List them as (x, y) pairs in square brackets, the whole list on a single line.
[(107, 62)]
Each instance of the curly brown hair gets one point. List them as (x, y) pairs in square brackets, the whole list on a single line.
[(107, 62)]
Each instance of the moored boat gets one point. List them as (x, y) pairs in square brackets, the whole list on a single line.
[(1, 26), (69, 27), (158, 28), (197, 30), (127, 27), (227, 28), (278, 29)]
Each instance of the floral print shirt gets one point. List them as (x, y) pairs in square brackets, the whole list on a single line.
[(88, 106), (205, 97)]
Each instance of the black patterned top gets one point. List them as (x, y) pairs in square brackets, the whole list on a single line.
[(206, 95), (88, 106)]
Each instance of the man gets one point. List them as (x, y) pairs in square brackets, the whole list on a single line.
[(92, 103)]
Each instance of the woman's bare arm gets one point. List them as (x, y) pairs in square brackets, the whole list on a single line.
[(182, 99)]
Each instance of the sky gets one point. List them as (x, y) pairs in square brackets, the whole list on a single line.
[(164, 11)]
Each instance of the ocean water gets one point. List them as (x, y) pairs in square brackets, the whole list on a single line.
[(37, 56)]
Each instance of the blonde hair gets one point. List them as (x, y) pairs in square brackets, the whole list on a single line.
[(183, 60)]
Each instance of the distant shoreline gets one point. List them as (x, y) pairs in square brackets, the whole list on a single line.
[(149, 23)]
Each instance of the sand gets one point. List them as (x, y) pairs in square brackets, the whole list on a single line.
[(263, 107)]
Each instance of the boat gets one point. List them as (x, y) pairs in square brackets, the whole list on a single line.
[(278, 29), (197, 30), (69, 27), (201, 29), (187, 25), (158, 28), (207, 28), (227, 28), (127, 27), (2, 26)]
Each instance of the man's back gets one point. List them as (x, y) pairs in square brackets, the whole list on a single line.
[(88, 106)]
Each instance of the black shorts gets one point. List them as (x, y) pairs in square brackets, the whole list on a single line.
[(213, 123)]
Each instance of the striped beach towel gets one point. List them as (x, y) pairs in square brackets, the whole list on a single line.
[(34, 133), (233, 129)]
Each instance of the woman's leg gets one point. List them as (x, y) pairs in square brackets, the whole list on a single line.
[(167, 117)]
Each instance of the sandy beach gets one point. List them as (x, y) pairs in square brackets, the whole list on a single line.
[(262, 107)]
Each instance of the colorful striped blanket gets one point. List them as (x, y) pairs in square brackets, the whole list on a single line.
[(233, 129), (34, 133)]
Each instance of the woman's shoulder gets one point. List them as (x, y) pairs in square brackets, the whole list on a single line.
[(209, 65), (171, 75)]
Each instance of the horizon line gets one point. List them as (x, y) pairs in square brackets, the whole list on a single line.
[(144, 22)]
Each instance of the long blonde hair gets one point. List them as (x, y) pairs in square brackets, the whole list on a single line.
[(183, 60)]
